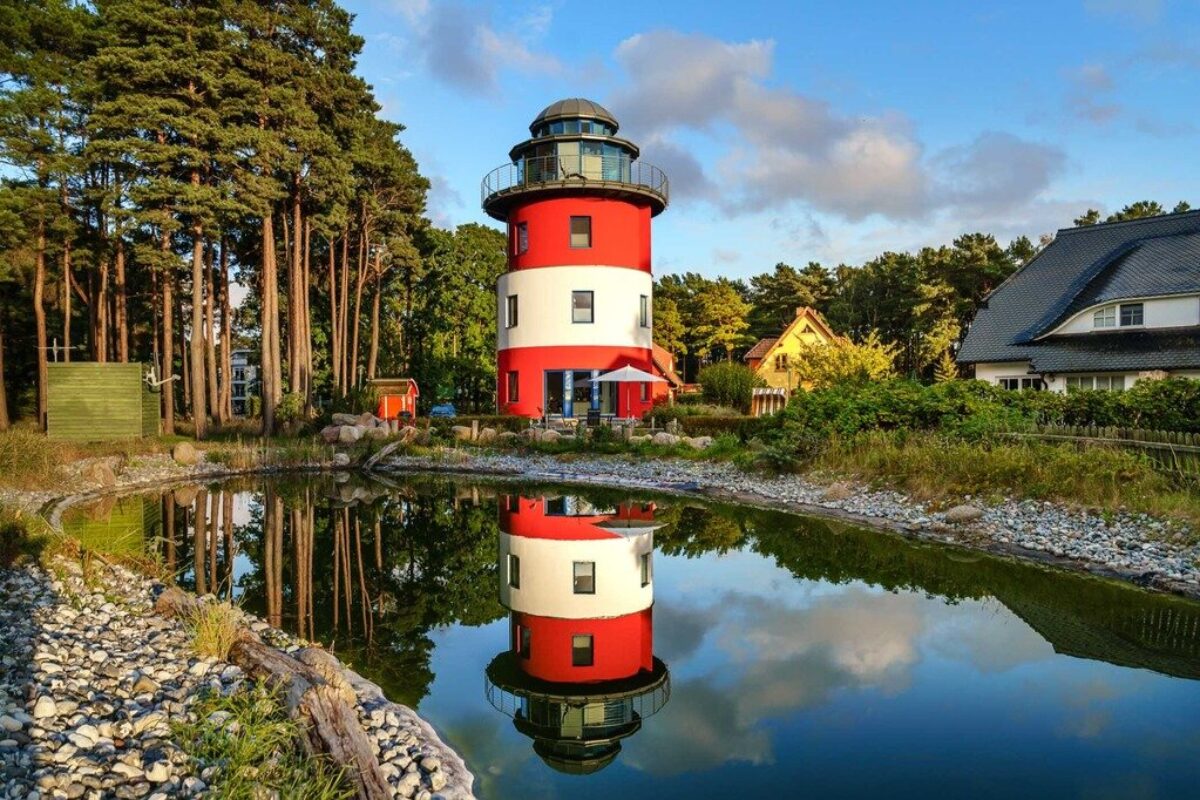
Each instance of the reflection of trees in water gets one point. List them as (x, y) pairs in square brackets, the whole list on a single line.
[(365, 570)]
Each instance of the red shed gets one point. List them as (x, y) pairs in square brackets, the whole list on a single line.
[(397, 397)]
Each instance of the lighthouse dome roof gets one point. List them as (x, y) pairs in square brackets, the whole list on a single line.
[(574, 108)]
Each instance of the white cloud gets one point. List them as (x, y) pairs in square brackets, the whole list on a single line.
[(779, 146)]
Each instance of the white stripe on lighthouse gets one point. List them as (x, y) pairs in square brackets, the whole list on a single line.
[(544, 307)]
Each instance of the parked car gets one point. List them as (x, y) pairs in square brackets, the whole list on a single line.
[(443, 410)]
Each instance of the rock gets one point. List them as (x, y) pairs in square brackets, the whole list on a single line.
[(550, 436), (643, 439), (367, 420), (962, 514), (185, 495), (185, 454), (101, 473), (44, 708), (158, 772), (506, 437), (10, 724), (430, 763), (408, 433), (349, 434), (461, 432), (841, 490), (344, 419), (341, 460), (144, 685), (331, 433), (665, 439), (127, 770), (487, 436), (375, 433), (437, 781), (700, 442)]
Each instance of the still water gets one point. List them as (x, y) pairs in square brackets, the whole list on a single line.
[(580, 643)]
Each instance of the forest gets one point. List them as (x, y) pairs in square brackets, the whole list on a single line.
[(160, 157)]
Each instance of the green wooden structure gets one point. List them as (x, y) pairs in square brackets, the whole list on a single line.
[(125, 525), (88, 402)]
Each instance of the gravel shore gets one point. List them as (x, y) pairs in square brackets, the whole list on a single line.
[(91, 680), (1132, 547)]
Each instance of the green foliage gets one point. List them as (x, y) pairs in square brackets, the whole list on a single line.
[(255, 748), (729, 384), (742, 428), (665, 412), (29, 460), (820, 364), (290, 408)]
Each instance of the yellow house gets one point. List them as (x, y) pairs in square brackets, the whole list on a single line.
[(775, 359)]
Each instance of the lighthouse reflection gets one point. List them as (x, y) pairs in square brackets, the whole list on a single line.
[(579, 674)]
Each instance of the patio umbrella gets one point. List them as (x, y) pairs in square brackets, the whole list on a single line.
[(628, 374)]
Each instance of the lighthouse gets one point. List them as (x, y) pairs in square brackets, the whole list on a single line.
[(579, 673), (578, 297)]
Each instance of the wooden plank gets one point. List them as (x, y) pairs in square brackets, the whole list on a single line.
[(87, 401)]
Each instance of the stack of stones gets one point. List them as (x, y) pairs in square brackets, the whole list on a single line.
[(348, 429)]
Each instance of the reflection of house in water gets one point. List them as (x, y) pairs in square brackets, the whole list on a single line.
[(126, 525), (580, 674)]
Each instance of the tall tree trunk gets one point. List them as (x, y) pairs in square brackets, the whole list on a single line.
[(271, 374), (335, 330), (344, 310), (306, 348), (210, 337), (100, 344), (185, 363), (295, 306), (226, 337), (199, 392), (120, 311), (39, 319), (3, 392), (167, 349), (359, 280), (373, 355), (66, 302)]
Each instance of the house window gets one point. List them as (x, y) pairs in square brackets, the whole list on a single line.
[(514, 571), (581, 231), (1112, 383), (781, 362), (1017, 384), (524, 641), (583, 306), (510, 311), (644, 312), (585, 577), (1132, 314), (520, 238), (513, 386), (1105, 317), (582, 652), (645, 564)]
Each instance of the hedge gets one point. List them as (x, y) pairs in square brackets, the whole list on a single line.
[(501, 422), (745, 428)]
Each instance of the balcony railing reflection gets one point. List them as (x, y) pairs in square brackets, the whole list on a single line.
[(571, 170)]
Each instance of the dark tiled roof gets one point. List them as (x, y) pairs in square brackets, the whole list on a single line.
[(1171, 348), (1084, 266), (760, 349)]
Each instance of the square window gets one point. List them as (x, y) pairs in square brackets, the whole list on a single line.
[(781, 362), (514, 571), (581, 231), (1011, 384), (513, 386), (1132, 314), (582, 653), (510, 311), (644, 312), (583, 307), (645, 569), (585, 577), (1105, 317)]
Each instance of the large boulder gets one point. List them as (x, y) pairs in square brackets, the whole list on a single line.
[(699, 442), (487, 436), (376, 433), (408, 433), (665, 439), (367, 420), (99, 472), (838, 491), (962, 514), (331, 433), (461, 432), (642, 439), (185, 454), (341, 459), (345, 419), (550, 436), (185, 495), (530, 433), (506, 437), (349, 434)]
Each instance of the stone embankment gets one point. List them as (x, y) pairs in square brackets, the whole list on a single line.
[(1132, 547), (92, 682)]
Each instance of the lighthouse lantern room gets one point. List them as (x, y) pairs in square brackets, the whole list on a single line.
[(577, 299)]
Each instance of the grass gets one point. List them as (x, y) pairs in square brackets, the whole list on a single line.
[(933, 468), (256, 749), (279, 452), (214, 629)]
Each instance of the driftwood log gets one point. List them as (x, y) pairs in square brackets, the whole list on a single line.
[(315, 694)]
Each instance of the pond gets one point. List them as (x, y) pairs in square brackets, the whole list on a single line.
[(593, 643)]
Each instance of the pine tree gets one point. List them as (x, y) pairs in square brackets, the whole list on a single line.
[(945, 369)]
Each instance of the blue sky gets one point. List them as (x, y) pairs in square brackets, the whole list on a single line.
[(812, 131)]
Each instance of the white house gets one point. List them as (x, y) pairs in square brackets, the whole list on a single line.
[(1102, 307), (245, 381)]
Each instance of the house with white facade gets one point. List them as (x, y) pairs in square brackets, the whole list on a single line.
[(1102, 307)]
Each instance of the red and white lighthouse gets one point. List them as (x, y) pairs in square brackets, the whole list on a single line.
[(577, 299), (580, 673)]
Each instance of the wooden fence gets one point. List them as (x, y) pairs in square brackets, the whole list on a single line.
[(1174, 451)]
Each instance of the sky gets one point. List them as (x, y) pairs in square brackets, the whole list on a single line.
[(804, 131)]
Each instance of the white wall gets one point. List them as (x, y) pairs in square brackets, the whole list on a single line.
[(544, 307), (547, 576), (992, 373), (1163, 312)]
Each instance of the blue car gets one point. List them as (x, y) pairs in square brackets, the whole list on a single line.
[(443, 410)]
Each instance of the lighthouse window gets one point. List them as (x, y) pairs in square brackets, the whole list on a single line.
[(510, 311), (525, 643), (645, 569), (581, 231), (512, 387), (644, 312), (582, 652), (585, 577), (582, 306), (514, 571), (521, 238)]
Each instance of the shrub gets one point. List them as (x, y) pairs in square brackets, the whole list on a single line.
[(290, 408), (742, 427), (842, 361), (214, 628), (664, 412), (729, 384)]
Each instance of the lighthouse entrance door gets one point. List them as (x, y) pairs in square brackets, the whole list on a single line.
[(571, 393)]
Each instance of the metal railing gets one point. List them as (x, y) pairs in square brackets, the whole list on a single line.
[(568, 169)]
